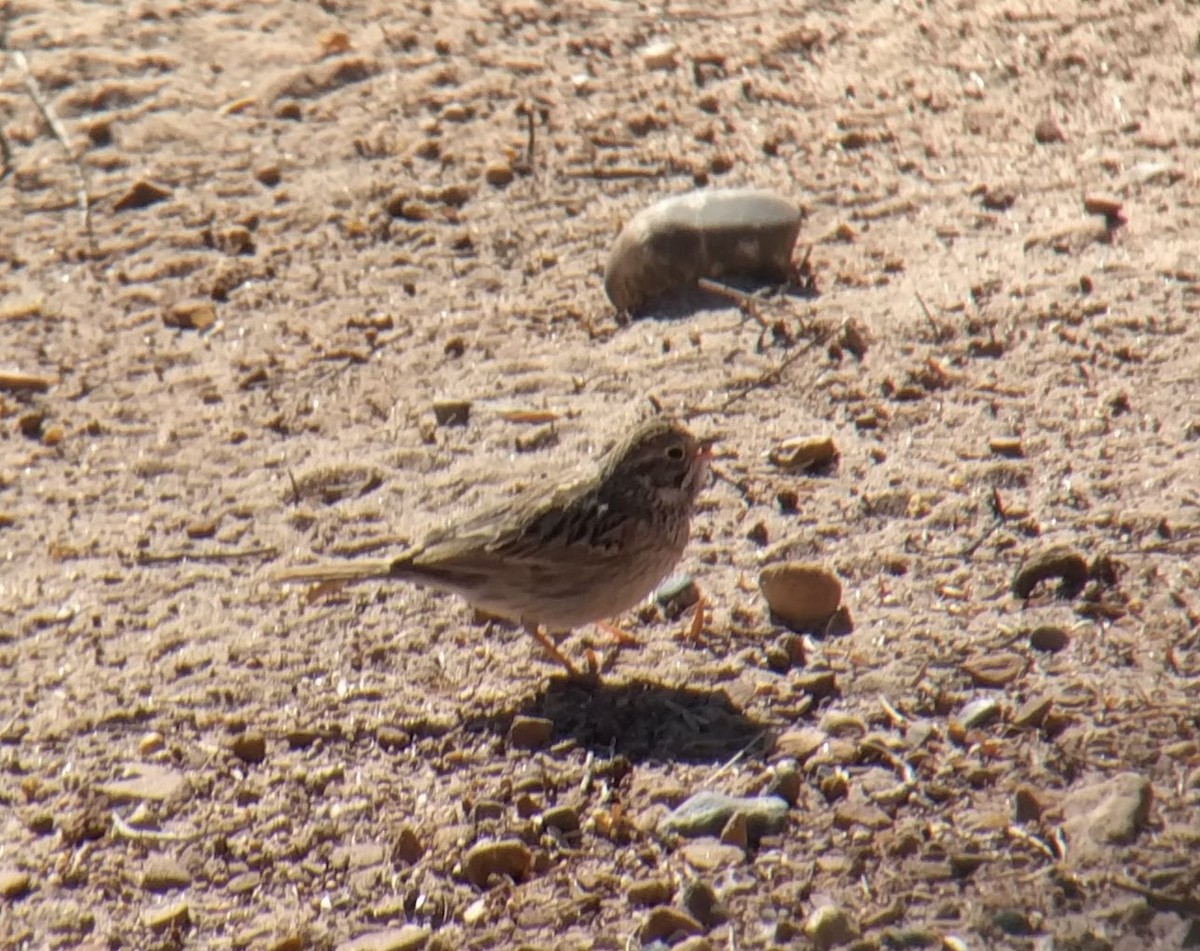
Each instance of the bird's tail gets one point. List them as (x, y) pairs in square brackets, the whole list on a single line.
[(337, 573)]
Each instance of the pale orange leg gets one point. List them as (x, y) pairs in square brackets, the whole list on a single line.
[(552, 649), (623, 638), (696, 628)]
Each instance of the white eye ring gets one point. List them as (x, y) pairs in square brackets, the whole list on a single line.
[(675, 453)]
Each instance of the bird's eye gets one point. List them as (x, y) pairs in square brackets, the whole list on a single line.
[(675, 453)]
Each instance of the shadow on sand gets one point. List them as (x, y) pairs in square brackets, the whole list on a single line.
[(638, 719)]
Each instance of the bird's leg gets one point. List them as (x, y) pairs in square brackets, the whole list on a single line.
[(623, 638), (699, 617), (551, 648)]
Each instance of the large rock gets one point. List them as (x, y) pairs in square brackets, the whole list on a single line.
[(715, 233)]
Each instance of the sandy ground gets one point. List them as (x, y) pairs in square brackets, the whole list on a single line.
[(311, 222)]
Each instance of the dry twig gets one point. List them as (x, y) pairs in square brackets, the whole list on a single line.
[(84, 193)]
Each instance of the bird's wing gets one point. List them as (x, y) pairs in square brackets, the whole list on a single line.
[(521, 526)]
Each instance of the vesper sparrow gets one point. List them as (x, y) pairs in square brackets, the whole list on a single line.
[(564, 554)]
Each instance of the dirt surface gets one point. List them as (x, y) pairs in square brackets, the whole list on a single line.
[(310, 223)]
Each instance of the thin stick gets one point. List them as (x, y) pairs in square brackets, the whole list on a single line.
[(17, 382), (6, 157), (937, 330), (84, 195), (148, 835), (771, 376), (747, 303), (736, 757), (173, 558), (613, 172)]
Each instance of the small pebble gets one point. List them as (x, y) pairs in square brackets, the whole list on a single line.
[(563, 818), (829, 926), (203, 528), (14, 883), (191, 315), (1057, 561), (499, 174), (163, 874), (1027, 804), (151, 743), (530, 733), (1049, 638), (785, 782), (392, 738), (715, 233), (709, 855), (408, 848), (978, 713), (1007, 446), (800, 594), (650, 892), (249, 747), (165, 917), (735, 832), (487, 809), (244, 884), (660, 55), (699, 900), (677, 594), (800, 743), (1107, 206), (1048, 132), (995, 670), (1032, 712), (452, 412), (804, 453), (509, 858), (142, 194), (665, 922)]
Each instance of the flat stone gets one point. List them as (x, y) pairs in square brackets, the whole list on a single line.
[(803, 453), (177, 915), (192, 314), (800, 594), (801, 743), (665, 922), (650, 892), (163, 874), (243, 884), (850, 814), (995, 670), (530, 733), (709, 855), (408, 938), (1106, 813), (563, 818), (707, 813), (146, 782)]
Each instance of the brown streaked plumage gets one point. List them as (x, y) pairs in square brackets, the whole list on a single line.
[(560, 555)]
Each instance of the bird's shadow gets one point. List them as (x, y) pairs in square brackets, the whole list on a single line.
[(638, 719)]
